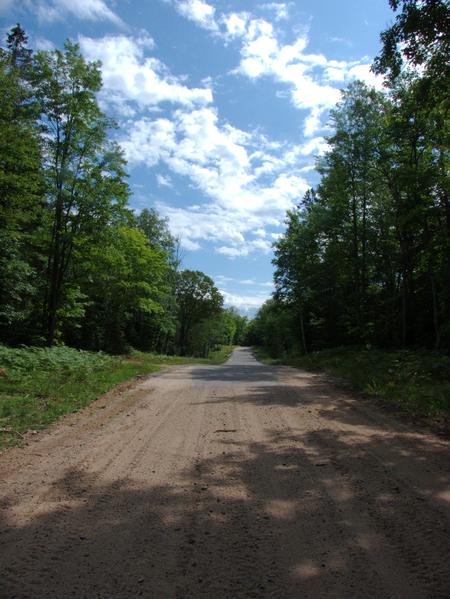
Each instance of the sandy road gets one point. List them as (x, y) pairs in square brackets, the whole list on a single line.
[(233, 481)]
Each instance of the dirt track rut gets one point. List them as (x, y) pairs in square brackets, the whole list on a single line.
[(229, 481)]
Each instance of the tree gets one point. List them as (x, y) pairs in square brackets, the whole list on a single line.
[(121, 280), (86, 190), (158, 333), (17, 41), (414, 58), (420, 35), (273, 328), (156, 230), (21, 188), (197, 299)]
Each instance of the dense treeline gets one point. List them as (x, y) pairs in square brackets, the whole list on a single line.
[(77, 265), (365, 259)]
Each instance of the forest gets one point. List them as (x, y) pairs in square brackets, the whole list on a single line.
[(78, 267), (365, 259), (363, 265)]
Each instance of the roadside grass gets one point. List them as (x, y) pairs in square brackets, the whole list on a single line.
[(38, 385), (414, 381)]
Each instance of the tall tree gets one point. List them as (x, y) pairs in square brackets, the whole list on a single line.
[(21, 187), (86, 188), (18, 52)]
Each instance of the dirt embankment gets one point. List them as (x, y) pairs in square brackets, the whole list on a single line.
[(232, 481)]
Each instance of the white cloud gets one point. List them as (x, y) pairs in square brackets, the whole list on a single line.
[(216, 158), (149, 141), (263, 56), (259, 232), (363, 72), (129, 75), (244, 303), (164, 181), (232, 252), (209, 222), (235, 24), (188, 244), (198, 11), (89, 10), (223, 163), (312, 81), (280, 9), (317, 146)]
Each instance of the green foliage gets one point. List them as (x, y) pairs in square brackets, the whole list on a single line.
[(414, 381), (198, 300), (38, 385), (420, 35), (84, 170), (21, 187), (365, 256), (274, 328)]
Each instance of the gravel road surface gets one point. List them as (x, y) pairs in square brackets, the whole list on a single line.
[(231, 481)]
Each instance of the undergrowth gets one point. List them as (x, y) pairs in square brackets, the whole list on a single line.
[(414, 381)]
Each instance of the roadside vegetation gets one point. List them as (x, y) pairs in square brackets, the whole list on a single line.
[(413, 381), (38, 385), (364, 261)]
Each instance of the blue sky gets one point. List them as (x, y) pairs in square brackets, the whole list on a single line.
[(222, 106)]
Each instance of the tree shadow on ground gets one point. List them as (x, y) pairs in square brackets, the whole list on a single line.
[(234, 374), (316, 514)]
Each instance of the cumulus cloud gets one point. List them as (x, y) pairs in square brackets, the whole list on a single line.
[(224, 164), (262, 55), (364, 73), (203, 223), (216, 158), (249, 180), (198, 11), (235, 24), (245, 181), (316, 146), (131, 76), (244, 303), (311, 80)]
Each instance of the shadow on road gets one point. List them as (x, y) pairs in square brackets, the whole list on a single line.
[(234, 374), (298, 515)]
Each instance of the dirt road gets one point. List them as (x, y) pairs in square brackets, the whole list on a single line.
[(230, 481)]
